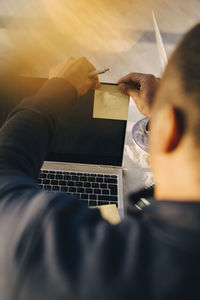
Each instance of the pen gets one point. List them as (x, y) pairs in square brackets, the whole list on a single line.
[(97, 72)]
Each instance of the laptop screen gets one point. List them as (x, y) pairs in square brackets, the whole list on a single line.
[(83, 139)]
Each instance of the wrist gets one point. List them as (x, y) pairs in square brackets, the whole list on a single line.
[(57, 88)]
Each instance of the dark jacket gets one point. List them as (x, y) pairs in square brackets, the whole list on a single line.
[(54, 247)]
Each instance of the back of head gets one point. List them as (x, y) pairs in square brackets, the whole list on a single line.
[(181, 83)]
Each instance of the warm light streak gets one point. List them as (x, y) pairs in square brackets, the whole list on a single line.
[(43, 32)]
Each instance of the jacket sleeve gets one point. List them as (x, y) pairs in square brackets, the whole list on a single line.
[(52, 246), (27, 134), (57, 248)]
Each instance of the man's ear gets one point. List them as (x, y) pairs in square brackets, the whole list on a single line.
[(169, 129)]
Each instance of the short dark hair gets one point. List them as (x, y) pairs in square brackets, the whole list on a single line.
[(185, 62), (187, 59)]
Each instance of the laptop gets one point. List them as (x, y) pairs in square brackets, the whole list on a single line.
[(160, 45), (85, 159)]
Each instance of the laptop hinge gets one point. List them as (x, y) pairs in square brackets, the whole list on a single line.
[(113, 167)]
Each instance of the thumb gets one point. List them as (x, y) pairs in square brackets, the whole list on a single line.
[(124, 87), (94, 84)]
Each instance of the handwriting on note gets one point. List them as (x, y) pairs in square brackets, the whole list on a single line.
[(110, 103)]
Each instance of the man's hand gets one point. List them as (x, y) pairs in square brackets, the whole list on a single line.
[(142, 88), (76, 71)]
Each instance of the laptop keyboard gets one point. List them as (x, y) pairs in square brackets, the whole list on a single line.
[(93, 189)]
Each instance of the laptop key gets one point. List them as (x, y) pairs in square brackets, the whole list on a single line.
[(95, 185), (113, 176), (82, 178), (91, 179), (42, 175), (55, 188), (107, 198), (105, 192), (72, 189), (80, 184), (70, 183), (110, 180), (47, 187), (103, 186), (54, 182), (84, 196), (114, 198), (99, 179), (80, 190), (97, 191), (59, 176), (113, 189), (67, 177), (87, 184), (93, 197), (46, 181), (92, 203), (89, 191), (64, 189), (51, 176), (62, 182), (75, 178), (103, 202)]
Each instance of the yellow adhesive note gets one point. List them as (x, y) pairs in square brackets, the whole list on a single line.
[(110, 103), (109, 213)]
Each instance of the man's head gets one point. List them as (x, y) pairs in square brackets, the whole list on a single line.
[(175, 132)]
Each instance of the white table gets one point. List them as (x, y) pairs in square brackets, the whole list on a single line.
[(136, 171)]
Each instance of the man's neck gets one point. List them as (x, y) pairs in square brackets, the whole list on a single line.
[(178, 182), (177, 195), (184, 186)]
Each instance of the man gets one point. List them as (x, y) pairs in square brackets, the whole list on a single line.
[(54, 247)]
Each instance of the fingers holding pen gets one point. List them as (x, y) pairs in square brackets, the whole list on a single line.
[(94, 82)]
